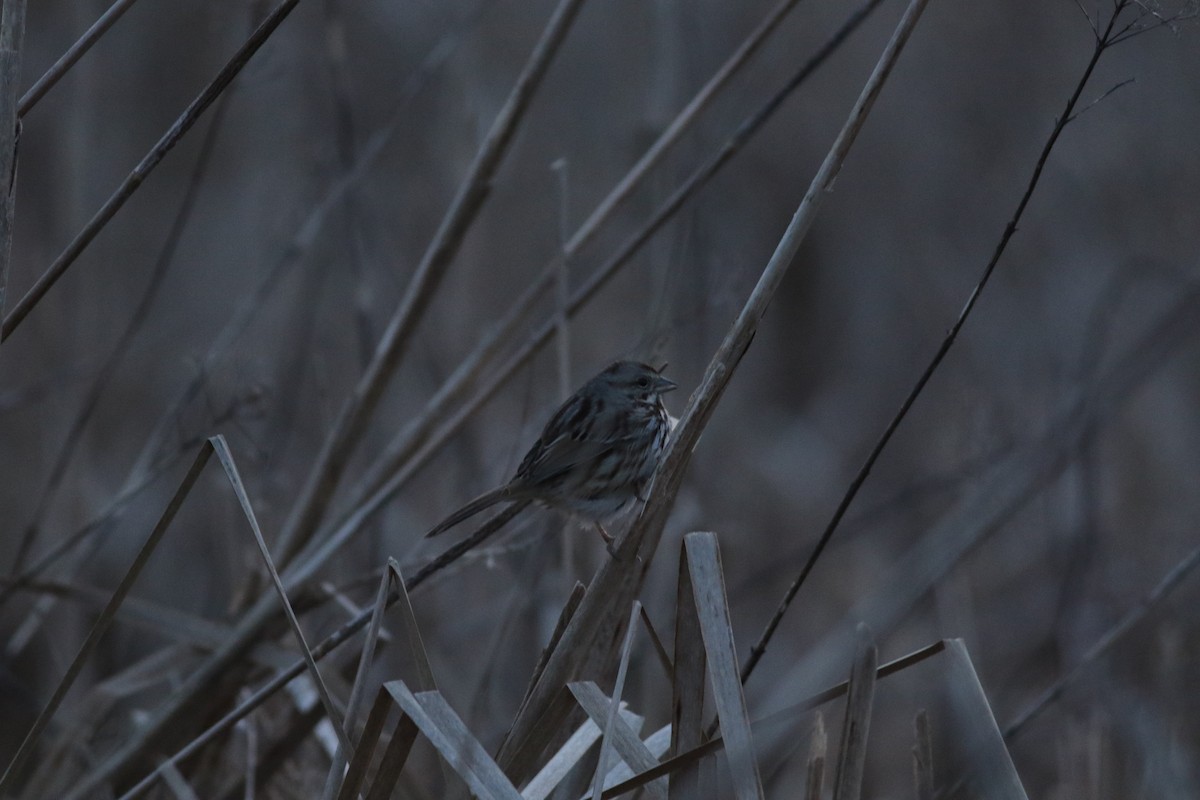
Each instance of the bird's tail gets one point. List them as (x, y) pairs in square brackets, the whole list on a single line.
[(472, 508)]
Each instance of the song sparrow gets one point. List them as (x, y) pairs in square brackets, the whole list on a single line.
[(596, 454)]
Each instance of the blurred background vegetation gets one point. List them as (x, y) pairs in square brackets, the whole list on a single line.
[(1105, 251)]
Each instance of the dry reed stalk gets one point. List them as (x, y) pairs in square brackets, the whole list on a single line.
[(67, 60), (12, 34)]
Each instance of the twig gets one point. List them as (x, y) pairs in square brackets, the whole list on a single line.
[(1136, 27), (1097, 101)]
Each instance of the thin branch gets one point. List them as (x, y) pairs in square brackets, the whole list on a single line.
[(1096, 102), (764, 639), (73, 54), (1091, 23), (1136, 26)]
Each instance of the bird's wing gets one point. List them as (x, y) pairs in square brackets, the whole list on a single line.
[(548, 460), (580, 432)]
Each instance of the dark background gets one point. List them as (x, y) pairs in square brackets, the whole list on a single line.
[(1106, 249)]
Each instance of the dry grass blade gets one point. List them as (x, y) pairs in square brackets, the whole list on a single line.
[(151, 160), (356, 771), (687, 683), (394, 757), (989, 769), (613, 727), (660, 650), (814, 779), (235, 480), (716, 630), (570, 754), (391, 578), (12, 34), (564, 616), (352, 420), (601, 710), (923, 757), (447, 733), (73, 54), (676, 763), (852, 755), (106, 617), (616, 584), (424, 677)]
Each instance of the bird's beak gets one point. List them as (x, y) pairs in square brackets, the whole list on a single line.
[(662, 385)]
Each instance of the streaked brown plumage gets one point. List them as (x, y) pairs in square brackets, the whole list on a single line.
[(597, 453)]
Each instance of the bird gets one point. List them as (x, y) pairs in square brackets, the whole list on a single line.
[(596, 455)]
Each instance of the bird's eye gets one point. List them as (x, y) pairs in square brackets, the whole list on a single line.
[(643, 382)]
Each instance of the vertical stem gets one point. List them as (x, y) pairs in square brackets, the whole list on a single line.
[(12, 33)]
